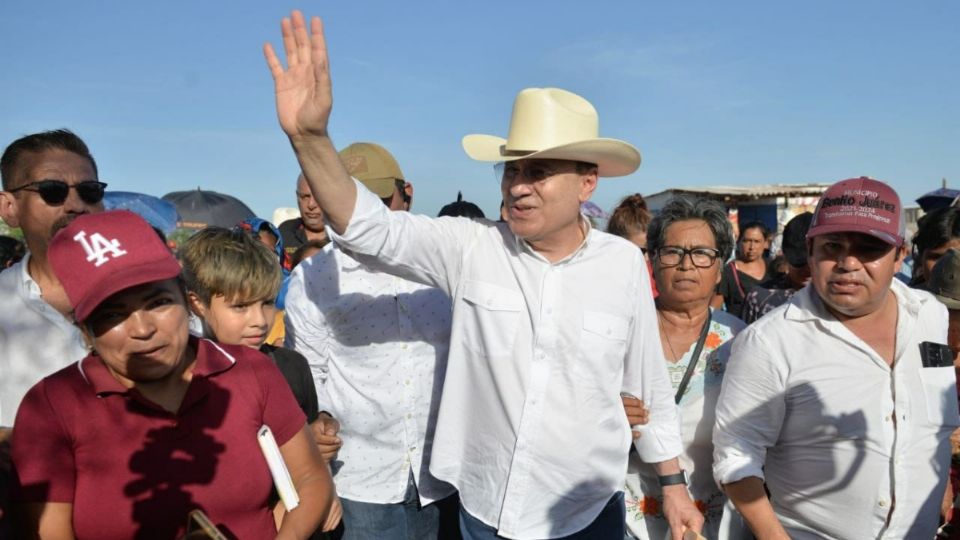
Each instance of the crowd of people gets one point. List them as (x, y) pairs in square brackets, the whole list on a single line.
[(459, 377)]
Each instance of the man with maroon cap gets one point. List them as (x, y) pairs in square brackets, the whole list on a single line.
[(842, 401)]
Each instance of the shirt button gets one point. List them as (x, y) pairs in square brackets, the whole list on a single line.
[(404, 346), (407, 382), (409, 416), (882, 503)]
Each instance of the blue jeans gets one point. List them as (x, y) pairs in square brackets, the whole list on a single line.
[(610, 524), (405, 520)]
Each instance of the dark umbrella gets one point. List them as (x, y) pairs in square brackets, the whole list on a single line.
[(158, 212), (199, 209), (938, 198)]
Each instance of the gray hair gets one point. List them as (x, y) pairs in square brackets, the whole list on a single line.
[(683, 209)]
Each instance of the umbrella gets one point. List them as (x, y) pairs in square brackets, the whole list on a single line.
[(938, 198), (157, 212), (199, 209)]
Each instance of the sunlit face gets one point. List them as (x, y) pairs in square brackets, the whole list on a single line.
[(929, 257), (686, 283), (141, 333), (852, 272), (236, 321), (25, 209), (542, 199), (310, 211), (752, 244)]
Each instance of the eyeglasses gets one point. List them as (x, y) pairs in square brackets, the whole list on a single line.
[(508, 171), (700, 256), (55, 192)]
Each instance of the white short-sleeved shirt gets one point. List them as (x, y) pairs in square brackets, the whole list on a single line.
[(849, 447)]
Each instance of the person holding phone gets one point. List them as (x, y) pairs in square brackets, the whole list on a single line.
[(153, 423)]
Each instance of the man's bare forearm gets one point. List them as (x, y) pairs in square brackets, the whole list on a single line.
[(751, 501), (329, 181)]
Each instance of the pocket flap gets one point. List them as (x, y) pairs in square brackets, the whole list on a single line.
[(492, 297), (606, 325)]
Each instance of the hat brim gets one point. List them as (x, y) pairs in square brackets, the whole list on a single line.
[(124, 279), (613, 157), (382, 187), (820, 230)]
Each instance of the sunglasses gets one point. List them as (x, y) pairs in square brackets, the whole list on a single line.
[(55, 192)]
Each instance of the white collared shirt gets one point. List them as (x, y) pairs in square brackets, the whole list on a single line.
[(531, 428), (377, 346), (35, 339), (849, 447)]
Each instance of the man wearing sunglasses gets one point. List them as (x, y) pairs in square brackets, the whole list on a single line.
[(49, 178), (552, 319)]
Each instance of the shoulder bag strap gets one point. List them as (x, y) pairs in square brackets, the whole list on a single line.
[(694, 359), (736, 277)]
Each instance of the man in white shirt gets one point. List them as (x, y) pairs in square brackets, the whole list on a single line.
[(840, 400), (551, 320), (49, 178), (377, 345)]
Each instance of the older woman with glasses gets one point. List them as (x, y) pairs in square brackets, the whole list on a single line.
[(687, 243)]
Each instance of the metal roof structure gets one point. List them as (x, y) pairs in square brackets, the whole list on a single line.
[(761, 191)]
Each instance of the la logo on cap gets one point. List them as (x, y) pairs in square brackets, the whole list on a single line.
[(98, 248)]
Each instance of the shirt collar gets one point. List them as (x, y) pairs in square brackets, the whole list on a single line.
[(585, 226), (211, 360), (28, 286), (808, 305)]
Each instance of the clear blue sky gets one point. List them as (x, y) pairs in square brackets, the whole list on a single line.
[(174, 95)]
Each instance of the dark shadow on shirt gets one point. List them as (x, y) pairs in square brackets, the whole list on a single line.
[(174, 457), (948, 404), (560, 518)]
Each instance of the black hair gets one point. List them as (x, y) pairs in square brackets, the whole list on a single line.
[(58, 139)]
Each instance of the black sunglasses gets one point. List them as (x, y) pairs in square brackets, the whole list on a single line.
[(55, 192)]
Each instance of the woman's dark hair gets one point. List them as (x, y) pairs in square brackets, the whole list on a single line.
[(11, 251), (754, 225), (629, 217), (683, 209), (936, 229)]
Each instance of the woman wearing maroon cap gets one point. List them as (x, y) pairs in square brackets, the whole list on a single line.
[(153, 423)]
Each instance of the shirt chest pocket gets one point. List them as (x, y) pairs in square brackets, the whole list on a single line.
[(940, 394), (603, 344), (494, 317)]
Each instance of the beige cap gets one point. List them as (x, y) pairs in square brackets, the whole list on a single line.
[(373, 166)]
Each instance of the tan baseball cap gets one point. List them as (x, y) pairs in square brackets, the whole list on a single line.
[(373, 166)]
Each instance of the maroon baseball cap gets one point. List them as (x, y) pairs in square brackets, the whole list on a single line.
[(98, 255), (862, 205)]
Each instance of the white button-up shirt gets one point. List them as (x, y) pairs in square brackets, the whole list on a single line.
[(35, 339), (377, 346), (849, 447), (531, 428)]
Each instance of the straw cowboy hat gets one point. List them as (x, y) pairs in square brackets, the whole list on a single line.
[(550, 123)]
